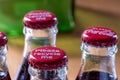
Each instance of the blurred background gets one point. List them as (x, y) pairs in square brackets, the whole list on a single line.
[(74, 16)]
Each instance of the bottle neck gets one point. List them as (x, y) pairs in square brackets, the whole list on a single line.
[(101, 59), (99, 51), (39, 37), (55, 74), (3, 66), (3, 52)]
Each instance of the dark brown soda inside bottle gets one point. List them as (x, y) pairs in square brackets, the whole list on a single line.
[(4, 76), (23, 73), (96, 75)]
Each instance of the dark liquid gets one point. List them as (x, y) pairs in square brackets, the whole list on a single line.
[(95, 75), (3, 77), (23, 72), (35, 42)]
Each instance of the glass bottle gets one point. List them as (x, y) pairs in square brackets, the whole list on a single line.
[(4, 72), (48, 63), (40, 29), (99, 46)]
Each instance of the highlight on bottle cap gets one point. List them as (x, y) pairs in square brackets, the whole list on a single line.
[(3, 39), (100, 36), (47, 57), (40, 19)]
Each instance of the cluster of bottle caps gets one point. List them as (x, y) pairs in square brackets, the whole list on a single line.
[(42, 60)]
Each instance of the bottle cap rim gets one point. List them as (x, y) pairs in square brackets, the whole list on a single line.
[(40, 19), (100, 36), (47, 57)]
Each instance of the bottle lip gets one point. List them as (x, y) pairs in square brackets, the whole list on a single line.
[(47, 57), (40, 19), (3, 39), (100, 36)]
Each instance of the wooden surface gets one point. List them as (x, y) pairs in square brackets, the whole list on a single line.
[(108, 6)]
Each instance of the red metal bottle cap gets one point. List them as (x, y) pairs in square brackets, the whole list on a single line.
[(100, 36), (47, 57), (3, 39), (40, 19)]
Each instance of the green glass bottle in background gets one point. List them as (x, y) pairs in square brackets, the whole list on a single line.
[(12, 12)]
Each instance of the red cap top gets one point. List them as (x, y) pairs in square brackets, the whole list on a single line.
[(3, 39), (100, 36), (47, 57), (39, 19)]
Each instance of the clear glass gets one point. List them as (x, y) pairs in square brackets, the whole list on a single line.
[(55, 74), (39, 37), (4, 72), (35, 38), (97, 63)]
